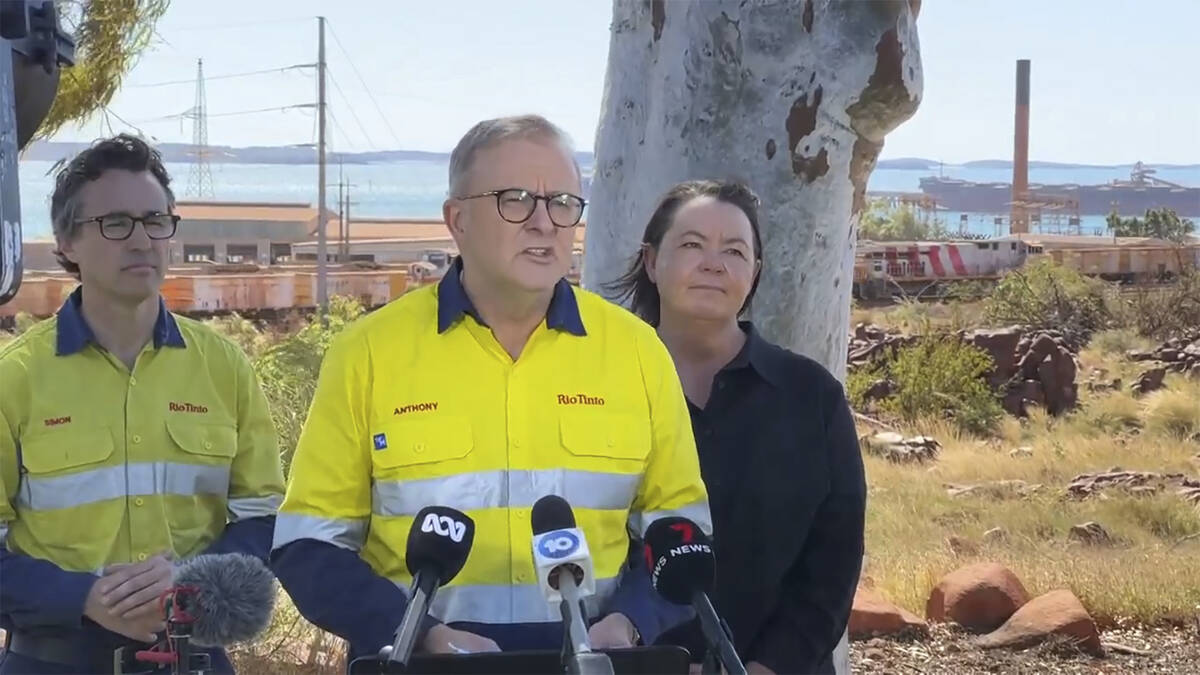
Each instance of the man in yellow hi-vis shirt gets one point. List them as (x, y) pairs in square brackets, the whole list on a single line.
[(500, 385), (129, 437)]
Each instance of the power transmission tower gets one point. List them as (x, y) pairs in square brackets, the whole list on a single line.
[(200, 181)]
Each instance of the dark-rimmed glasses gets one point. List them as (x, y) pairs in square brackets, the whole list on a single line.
[(516, 205), (119, 226)]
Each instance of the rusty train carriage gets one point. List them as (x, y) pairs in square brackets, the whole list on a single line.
[(884, 269), (245, 290)]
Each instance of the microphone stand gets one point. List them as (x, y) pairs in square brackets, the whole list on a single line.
[(418, 606), (578, 657), (719, 639)]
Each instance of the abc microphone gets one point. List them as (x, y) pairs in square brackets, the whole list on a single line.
[(683, 570), (565, 575), (438, 545)]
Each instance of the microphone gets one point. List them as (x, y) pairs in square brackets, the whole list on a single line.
[(683, 570), (438, 545), (565, 575), (215, 600), (234, 596)]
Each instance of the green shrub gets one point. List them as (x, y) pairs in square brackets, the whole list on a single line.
[(288, 371), (1044, 294), (941, 375)]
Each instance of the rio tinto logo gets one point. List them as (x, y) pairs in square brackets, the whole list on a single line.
[(444, 526)]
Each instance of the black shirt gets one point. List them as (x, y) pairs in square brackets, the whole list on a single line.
[(779, 455)]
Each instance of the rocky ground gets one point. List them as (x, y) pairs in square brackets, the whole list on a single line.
[(950, 650)]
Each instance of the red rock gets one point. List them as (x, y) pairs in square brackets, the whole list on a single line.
[(1055, 613), (872, 615), (979, 597)]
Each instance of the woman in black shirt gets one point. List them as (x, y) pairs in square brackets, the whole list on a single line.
[(777, 444)]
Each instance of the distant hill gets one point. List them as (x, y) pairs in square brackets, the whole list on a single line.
[(307, 154)]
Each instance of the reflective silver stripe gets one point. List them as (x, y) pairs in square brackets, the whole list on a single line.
[(117, 482), (242, 508), (508, 604), (347, 533), (3, 534), (501, 489), (697, 513)]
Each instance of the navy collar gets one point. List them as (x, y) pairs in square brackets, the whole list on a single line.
[(74, 333), (759, 355), (563, 313)]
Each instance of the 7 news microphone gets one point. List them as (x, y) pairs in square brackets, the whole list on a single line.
[(683, 570), (566, 576), (438, 545)]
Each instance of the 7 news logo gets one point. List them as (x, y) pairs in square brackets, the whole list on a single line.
[(444, 526), (558, 544)]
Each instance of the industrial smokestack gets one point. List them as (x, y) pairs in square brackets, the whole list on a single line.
[(1019, 218)]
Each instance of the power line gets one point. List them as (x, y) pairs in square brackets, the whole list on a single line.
[(350, 106), (243, 24), (345, 136), (353, 67), (187, 113), (222, 77)]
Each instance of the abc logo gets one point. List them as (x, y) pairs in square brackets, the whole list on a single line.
[(558, 544), (444, 526)]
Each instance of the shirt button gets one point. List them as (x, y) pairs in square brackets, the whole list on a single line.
[(137, 439), (208, 445), (419, 447), (133, 381), (138, 502), (142, 557), (516, 442)]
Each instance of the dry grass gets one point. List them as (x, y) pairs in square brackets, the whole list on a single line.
[(911, 516), (912, 316)]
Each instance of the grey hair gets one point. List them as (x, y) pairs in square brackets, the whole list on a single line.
[(491, 132)]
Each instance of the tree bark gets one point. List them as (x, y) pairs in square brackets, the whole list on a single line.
[(792, 96)]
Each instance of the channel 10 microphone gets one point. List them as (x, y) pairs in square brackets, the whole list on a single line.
[(683, 570), (566, 576), (438, 545)]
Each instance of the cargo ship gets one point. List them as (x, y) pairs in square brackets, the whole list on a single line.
[(1127, 197)]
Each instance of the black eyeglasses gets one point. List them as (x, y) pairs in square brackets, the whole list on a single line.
[(516, 205), (119, 226)]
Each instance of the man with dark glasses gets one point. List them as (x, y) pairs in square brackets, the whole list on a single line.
[(129, 437), (501, 385)]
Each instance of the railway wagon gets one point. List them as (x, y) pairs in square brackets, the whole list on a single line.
[(1129, 263), (191, 293), (881, 269)]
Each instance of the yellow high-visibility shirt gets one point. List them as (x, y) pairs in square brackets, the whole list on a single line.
[(417, 404), (100, 464)]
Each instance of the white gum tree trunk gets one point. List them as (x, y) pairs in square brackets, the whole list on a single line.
[(794, 97)]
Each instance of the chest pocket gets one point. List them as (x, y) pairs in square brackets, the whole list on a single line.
[(417, 442), (209, 442), (604, 435), (65, 450)]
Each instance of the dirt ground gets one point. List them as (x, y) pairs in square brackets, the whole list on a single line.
[(1133, 650)]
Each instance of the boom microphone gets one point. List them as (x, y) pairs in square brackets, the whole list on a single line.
[(438, 545), (233, 596), (565, 575), (683, 570)]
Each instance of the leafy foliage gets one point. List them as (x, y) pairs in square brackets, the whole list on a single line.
[(942, 374), (1157, 223), (1164, 311), (881, 222), (288, 368), (109, 36), (1045, 294)]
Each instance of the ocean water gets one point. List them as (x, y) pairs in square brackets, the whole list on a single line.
[(415, 189)]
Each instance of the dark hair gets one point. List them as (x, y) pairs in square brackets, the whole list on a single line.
[(122, 151), (635, 285)]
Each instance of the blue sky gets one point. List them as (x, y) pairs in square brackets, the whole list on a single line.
[(1113, 81)]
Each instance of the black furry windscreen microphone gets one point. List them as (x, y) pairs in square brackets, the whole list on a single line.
[(551, 513), (680, 558), (234, 597)]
